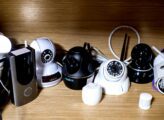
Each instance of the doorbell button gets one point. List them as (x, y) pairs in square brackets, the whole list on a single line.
[(91, 94), (145, 101), (28, 91)]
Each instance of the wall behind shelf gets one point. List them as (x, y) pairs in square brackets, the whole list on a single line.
[(64, 20)]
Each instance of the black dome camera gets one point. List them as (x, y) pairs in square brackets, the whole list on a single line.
[(78, 66), (140, 70)]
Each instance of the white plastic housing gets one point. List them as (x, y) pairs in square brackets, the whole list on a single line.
[(111, 85), (91, 94), (158, 71), (145, 101), (49, 70), (41, 44), (159, 59), (5, 46), (45, 69)]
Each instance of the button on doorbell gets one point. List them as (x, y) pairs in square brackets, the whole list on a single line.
[(28, 91)]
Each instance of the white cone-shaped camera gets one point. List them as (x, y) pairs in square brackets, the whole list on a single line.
[(48, 72), (112, 77)]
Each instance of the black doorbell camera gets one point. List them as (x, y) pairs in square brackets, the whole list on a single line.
[(22, 71)]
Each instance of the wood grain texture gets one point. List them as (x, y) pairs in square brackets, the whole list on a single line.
[(60, 102), (69, 23)]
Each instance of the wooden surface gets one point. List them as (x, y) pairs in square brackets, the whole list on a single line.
[(69, 23), (59, 102)]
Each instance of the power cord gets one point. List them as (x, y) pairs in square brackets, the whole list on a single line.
[(1, 68), (99, 56), (111, 35), (8, 91)]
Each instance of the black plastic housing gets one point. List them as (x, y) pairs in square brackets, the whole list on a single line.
[(78, 66), (140, 70)]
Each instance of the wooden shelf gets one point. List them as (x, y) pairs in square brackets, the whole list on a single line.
[(70, 23)]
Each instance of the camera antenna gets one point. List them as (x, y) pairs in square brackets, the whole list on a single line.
[(124, 48)]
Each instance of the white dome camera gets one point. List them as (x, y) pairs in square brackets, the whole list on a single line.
[(112, 77), (48, 72)]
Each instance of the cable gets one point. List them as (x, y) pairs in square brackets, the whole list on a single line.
[(111, 35), (158, 51), (8, 91), (1, 68), (98, 54)]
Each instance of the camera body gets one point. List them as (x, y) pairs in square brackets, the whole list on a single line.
[(48, 72), (112, 77), (78, 66), (140, 70), (159, 73), (24, 86)]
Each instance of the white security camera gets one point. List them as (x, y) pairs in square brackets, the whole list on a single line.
[(159, 73), (112, 77), (48, 72)]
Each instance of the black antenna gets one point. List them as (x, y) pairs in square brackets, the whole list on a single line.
[(124, 48)]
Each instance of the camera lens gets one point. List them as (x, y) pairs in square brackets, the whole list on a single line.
[(160, 85), (114, 68), (46, 56)]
